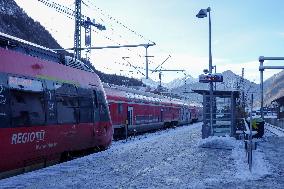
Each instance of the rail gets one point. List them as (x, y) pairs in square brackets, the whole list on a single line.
[(274, 130)]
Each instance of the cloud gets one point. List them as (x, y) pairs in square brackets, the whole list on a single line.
[(280, 34), (216, 42)]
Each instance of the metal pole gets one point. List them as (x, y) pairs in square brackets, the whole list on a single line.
[(250, 137), (126, 131), (210, 71), (77, 33), (215, 69), (261, 88), (147, 63), (243, 89)]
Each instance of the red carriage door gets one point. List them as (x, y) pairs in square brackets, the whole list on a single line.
[(162, 119), (130, 115)]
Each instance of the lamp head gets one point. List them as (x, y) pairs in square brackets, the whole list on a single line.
[(205, 71), (202, 13)]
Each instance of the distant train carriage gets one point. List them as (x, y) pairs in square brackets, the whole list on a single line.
[(47, 108), (197, 113), (142, 111)]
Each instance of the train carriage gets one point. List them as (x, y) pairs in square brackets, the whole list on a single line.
[(141, 111), (48, 109)]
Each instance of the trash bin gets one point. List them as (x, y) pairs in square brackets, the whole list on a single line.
[(258, 125)]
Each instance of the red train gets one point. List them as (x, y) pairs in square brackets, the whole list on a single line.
[(142, 111), (50, 106)]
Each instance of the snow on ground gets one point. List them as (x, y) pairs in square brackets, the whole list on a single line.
[(173, 158), (260, 166)]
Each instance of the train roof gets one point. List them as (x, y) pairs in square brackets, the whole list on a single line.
[(32, 49), (13, 41), (123, 93)]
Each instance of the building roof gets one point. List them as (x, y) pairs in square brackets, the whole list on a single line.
[(279, 100)]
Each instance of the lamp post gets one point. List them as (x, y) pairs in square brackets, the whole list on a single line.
[(215, 70), (201, 14)]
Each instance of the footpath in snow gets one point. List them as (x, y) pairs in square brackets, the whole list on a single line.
[(173, 158)]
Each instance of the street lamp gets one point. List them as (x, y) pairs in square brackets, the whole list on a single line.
[(215, 70), (202, 14)]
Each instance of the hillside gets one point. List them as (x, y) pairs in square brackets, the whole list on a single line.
[(274, 87), (14, 21)]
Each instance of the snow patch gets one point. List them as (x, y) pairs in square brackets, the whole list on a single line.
[(260, 167), (225, 142)]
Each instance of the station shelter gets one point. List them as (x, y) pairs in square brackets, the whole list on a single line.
[(224, 113)]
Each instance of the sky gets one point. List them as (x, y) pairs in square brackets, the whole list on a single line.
[(241, 32)]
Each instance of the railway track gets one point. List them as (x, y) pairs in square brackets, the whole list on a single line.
[(274, 130)]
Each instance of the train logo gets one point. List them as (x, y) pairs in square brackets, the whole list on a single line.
[(22, 138)]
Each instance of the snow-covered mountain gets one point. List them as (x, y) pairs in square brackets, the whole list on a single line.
[(273, 87), (173, 84), (231, 81), (180, 82), (150, 83)]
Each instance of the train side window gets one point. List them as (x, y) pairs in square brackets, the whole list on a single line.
[(86, 105), (27, 102), (119, 108), (4, 102), (67, 109), (65, 89), (86, 110), (96, 99), (67, 103)]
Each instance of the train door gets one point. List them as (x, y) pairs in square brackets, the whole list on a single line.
[(96, 107), (130, 115), (189, 116), (162, 116)]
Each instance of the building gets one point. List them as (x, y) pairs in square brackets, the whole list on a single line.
[(280, 111)]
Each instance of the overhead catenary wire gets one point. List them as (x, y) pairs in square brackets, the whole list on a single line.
[(119, 22), (70, 14)]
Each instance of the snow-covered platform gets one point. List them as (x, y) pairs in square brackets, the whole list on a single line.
[(173, 158)]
